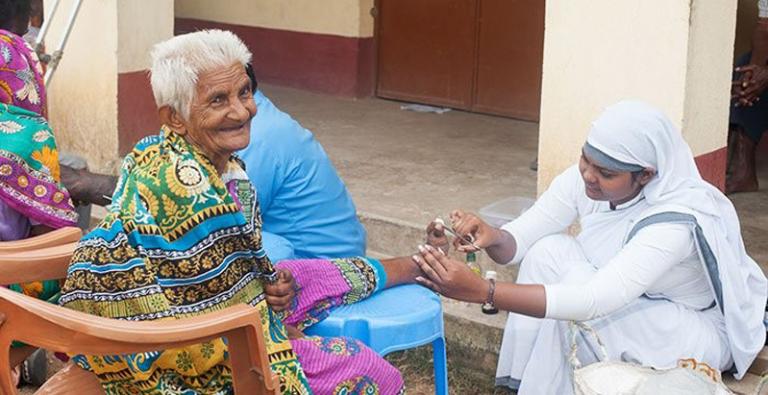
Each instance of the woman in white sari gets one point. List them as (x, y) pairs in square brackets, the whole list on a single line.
[(659, 268)]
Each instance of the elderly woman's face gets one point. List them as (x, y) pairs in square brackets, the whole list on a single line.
[(221, 112)]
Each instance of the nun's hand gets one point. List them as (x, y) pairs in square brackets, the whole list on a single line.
[(467, 224), (449, 277)]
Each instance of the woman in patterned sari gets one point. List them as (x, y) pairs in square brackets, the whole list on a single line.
[(183, 238), (21, 85), (32, 198)]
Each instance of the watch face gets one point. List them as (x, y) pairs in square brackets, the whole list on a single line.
[(489, 308)]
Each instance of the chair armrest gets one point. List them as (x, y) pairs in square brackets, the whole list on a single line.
[(56, 237), (50, 263), (55, 328)]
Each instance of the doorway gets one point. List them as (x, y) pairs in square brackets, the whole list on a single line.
[(475, 55)]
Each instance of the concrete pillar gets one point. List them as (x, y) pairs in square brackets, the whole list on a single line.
[(674, 54), (100, 102), (141, 25)]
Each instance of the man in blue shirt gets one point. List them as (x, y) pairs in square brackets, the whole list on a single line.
[(306, 208)]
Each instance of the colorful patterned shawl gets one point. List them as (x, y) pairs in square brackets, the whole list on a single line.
[(21, 77), (29, 169), (177, 244)]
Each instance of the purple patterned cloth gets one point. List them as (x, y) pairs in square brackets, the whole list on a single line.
[(341, 365), (337, 365), (315, 298), (29, 160), (21, 76)]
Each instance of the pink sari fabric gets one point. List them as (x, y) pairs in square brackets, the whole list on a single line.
[(21, 77), (337, 365)]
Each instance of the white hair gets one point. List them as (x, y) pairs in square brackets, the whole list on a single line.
[(178, 62)]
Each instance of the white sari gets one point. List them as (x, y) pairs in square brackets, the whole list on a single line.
[(652, 332)]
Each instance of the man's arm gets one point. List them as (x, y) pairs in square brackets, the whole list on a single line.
[(88, 187), (753, 78)]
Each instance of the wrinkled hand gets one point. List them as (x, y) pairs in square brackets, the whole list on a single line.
[(281, 293), (294, 332), (436, 236), (449, 277), (753, 82), (467, 224)]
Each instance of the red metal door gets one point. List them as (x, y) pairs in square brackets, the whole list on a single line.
[(510, 51), (426, 51), (477, 55)]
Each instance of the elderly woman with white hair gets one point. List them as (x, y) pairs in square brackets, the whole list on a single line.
[(658, 269), (183, 238)]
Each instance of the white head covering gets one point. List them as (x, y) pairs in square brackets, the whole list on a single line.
[(634, 132)]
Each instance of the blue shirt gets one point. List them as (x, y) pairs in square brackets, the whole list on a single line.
[(301, 196)]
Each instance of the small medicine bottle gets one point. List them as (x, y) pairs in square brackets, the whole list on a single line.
[(471, 260)]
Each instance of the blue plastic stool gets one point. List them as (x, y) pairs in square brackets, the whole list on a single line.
[(395, 319)]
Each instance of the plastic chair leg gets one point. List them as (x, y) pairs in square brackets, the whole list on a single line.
[(440, 365)]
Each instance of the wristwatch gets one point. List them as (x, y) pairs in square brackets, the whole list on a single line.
[(489, 307)]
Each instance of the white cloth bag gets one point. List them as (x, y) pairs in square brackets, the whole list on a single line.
[(624, 378)]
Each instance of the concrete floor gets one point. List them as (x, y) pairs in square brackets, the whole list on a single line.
[(753, 214), (414, 166)]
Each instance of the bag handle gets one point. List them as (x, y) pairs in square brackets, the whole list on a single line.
[(575, 328)]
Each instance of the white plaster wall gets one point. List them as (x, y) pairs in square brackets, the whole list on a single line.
[(82, 100), (349, 18), (141, 24), (597, 52), (708, 80)]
